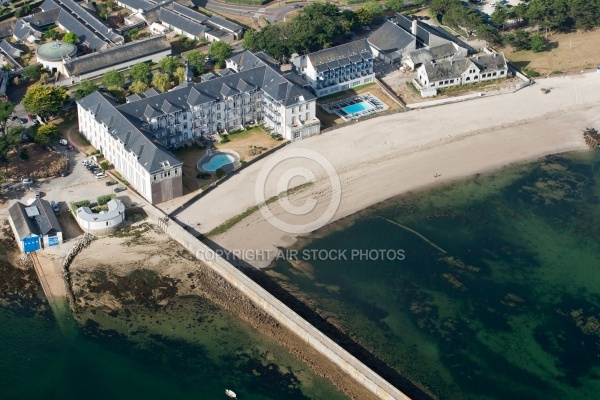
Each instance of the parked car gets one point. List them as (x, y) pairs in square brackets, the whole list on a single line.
[(38, 194), (110, 183), (367, 28), (23, 120), (100, 175), (54, 206), (69, 147), (35, 122), (27, 181), (297, 6), (63, 142), (120, 189), (14, 118)]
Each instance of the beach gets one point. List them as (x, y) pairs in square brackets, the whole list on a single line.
[(388, 156)]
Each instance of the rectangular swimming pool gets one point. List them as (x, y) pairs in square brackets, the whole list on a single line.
[(358, 107)]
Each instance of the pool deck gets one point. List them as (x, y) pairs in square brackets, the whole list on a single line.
[(340, 107)]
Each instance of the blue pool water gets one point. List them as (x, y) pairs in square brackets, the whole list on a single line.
[(217, 162), (358, 107)]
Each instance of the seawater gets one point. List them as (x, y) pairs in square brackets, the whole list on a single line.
[(497, 295), (40, 361)]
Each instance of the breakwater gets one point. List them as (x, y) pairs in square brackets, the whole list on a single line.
[(280, 312)]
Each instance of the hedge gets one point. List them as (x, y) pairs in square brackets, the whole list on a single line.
[(81, 203), (249, 2), (102, 200), (353, 1)]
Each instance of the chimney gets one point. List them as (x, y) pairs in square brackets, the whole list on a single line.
[(413, 28)]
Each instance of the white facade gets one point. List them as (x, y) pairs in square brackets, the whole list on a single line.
[(126, 162), (103, 223)]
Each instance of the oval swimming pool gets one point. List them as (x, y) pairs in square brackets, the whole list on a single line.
[(217, 162)]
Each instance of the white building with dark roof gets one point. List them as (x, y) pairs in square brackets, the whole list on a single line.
[(337, 68), (135, 136), (102, 223), (462, 71), (390, 43)]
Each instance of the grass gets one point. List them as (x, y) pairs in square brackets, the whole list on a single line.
[(190, 156), (243, 142), (469, 87), (230, 223), (345, 93)]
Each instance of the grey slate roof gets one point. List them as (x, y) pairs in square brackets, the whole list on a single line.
[(83, 33), (390, 37), (425, 31), (91, 20), (49, 5), (10, 48), (422, 56), (208, 76), (490, 62), (46, 220), (43, 18), (188, 12), (151, 92), (151, 155), (7, 28), (23, 30), (138, 4), (447, 69), (117, 55), (24, 225), (224, 24), (180, 22), (358, 47)]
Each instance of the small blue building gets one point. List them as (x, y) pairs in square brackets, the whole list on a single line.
[(35, 226)]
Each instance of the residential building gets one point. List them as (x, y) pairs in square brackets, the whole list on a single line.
[(9, 53), (135, 136), (462, 71), (35, 226), (427, 35), (446, 51), (337, 68)]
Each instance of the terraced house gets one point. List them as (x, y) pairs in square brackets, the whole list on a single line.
[(135, 137)]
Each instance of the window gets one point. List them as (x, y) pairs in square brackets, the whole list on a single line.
[(218, 106), (494, 74), (293, 110), (184, 117), (307, 116), (468, 79), (501, 72), (218, 115), (296, 135), (432, 83), (451, 80)]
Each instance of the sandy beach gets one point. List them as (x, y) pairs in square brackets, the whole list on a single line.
[(384, 157)]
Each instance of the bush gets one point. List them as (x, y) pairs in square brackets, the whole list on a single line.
[(104, 165), (80, 203), (204, 187), (220, 173), (224, 138), (531, 73), (102, 200)]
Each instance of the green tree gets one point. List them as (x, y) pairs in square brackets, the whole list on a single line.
[(162, 81), (500, 16), (133, 34), (6, 108), (489, 34), (70, 37), (220, 51), (138, 87), (102, 10), (104, 165), (32, 72), (51, 34), (394, 5), (168, 65), (196, 60), (440, 7), (179, 74), (44, 100), (538, 44), (113, 79), (85, 88), (520, 40), (46, 134), (140, 72), (374, 9)]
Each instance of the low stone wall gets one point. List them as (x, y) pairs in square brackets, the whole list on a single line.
[(84, 242), (284, 315)]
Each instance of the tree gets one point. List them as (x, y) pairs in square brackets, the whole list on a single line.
[(162, 81), (113, 79), (538, 44), (489, 34), (51, 34), (394, 5), (196, 60), (32, 72), (46, 134), (520, 40), (44, 100), (140, 72), (102, 10), (168, 65), (85, 88), (180, 75), (6, 108), (70, 37), (133, 34), (220, 51), (374, 9), (138, 87), (500, 16)]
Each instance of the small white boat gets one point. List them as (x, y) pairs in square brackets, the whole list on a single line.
[(231, 393)]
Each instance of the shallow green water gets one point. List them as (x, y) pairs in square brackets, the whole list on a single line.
[(498, 295), (39, 361)]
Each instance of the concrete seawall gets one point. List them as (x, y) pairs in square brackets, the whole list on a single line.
[(283, 314)]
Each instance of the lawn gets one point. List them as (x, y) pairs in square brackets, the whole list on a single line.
[(249, 143), (190, 156), (569, 52)]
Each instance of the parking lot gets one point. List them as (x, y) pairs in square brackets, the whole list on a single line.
[(79, 184)]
